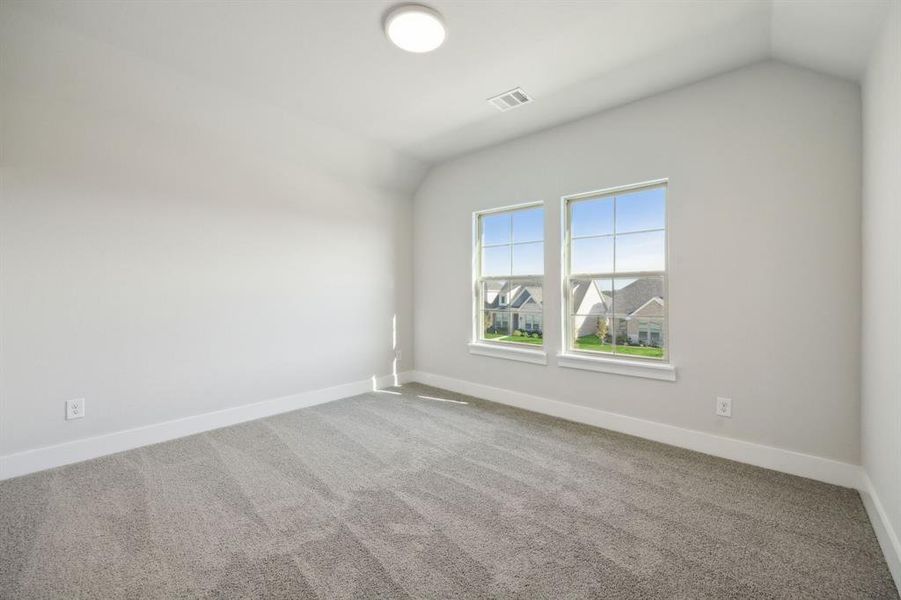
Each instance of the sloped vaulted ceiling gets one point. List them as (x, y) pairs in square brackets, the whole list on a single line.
[(329, 64)]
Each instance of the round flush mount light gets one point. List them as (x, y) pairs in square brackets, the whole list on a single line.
[(415, 28)]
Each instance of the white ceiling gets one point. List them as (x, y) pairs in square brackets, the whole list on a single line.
[(329, 60)]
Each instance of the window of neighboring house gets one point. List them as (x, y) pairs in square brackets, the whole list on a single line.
[(509, 273), (615, 272), (531, 322)]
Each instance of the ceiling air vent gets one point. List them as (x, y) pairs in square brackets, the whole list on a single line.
[(512, 99)]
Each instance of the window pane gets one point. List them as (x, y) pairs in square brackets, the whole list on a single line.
[(512, 311), (496, 325), (640, 210), (528, 225), (496, 261), (592, 217), (528, 259), (639, 337), (592, 255), (640, 252), (641, 297), (496, 229)]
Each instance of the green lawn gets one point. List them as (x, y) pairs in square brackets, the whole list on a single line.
[(592, 342), (521, 339)]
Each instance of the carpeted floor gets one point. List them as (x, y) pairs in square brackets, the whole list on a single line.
[(429, 494)]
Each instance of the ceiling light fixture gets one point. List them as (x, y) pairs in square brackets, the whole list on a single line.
[(415, 28)]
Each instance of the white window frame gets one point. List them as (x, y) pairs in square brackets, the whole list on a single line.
[(571, 357), (528, 353)]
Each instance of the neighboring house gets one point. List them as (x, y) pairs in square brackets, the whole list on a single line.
[(639, 308), (519, 308)]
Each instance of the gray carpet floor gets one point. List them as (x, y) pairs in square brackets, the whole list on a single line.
[(417, 492)]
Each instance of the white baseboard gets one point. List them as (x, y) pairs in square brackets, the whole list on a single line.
[(788, 461), (887, 536), (777, 459), (39, 459)]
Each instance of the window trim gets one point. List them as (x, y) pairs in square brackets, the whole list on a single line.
[(571, 357), (606, 363), (509, 350)]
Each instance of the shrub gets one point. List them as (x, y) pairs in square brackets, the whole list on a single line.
[(602, 328)]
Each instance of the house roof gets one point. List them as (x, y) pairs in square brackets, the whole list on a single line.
[(533, 292), (635, 295), (624, 301), (518, 295)]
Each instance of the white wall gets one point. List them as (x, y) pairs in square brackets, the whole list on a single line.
[(881, 365), (170, 249), (764, 291)]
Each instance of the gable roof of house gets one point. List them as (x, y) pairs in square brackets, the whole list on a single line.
[(580, 292), (518, 295), (527, 291)]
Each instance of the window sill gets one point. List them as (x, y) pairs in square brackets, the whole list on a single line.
[(529, 355), (617, 366)]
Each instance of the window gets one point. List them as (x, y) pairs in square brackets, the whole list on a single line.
[(509, 276), (531, 322), (615, 272)]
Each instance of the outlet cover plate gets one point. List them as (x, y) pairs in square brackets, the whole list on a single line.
[(724, 407), (74, 408)]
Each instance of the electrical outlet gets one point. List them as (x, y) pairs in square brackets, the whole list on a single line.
[(724, 407), (74, 408)]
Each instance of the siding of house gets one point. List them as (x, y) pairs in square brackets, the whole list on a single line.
[(528, 307), (651, 310), (591, 304)]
